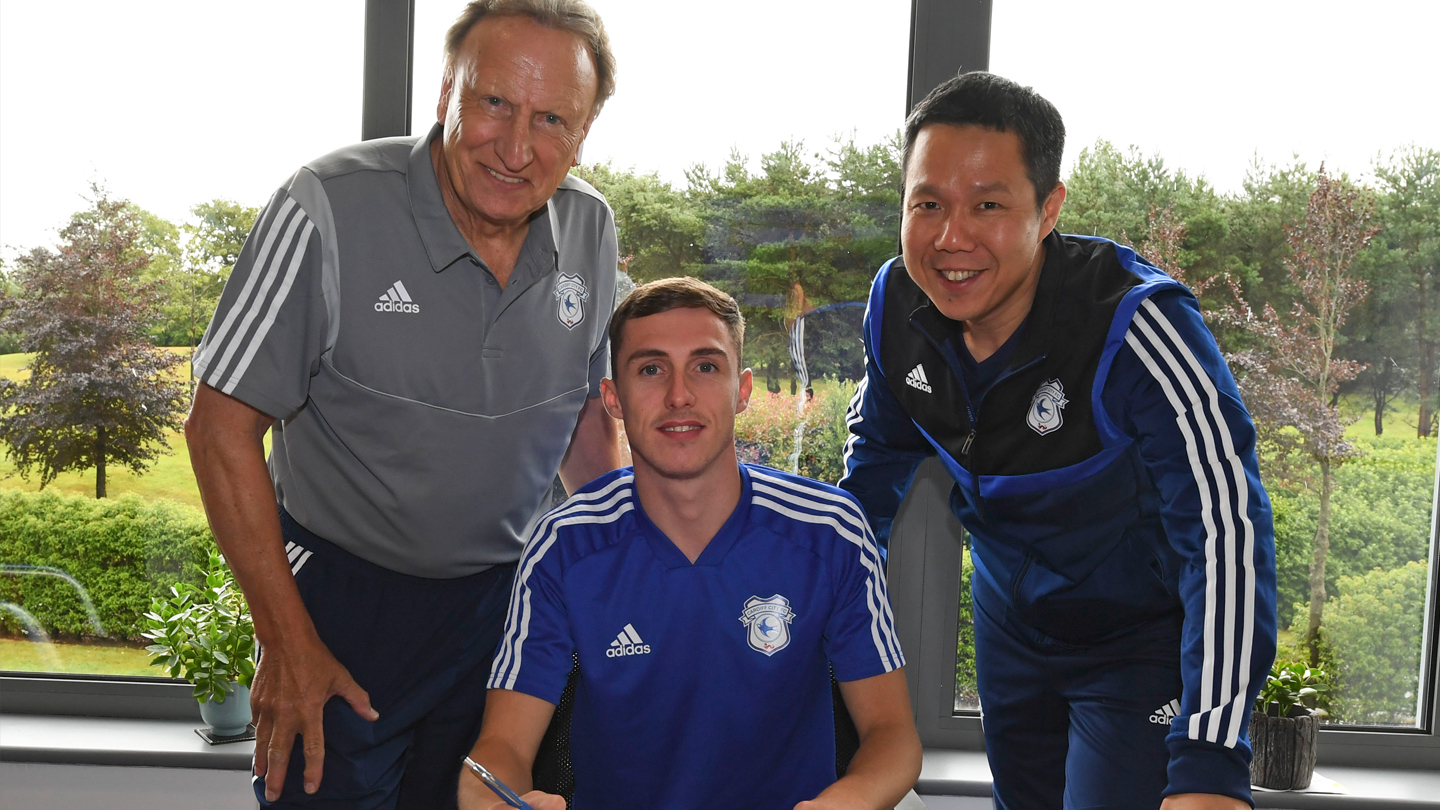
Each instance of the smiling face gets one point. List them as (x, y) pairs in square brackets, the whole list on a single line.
[(971, 233), (677, 386), (516, 109)]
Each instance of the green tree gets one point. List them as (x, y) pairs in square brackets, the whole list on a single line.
[(659, 229), (1374, 630), (193, 269), (1410, 210), (98, 391), (1290, 378)]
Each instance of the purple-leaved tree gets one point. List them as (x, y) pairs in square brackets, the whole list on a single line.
[(1290, 375), (98, 391)]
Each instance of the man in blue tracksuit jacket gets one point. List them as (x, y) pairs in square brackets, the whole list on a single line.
[(1105, 470)]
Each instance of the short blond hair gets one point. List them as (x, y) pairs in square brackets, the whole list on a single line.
[(575, 16)]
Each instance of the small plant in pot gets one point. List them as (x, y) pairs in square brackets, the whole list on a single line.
[(1283, 725), (205, 635)]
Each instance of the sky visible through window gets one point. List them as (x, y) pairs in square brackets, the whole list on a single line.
[(171, 103)]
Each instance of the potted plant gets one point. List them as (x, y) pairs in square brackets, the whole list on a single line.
[(1283, 725), (205, 635)]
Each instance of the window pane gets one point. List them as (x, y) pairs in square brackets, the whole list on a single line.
[(193, 114), (967, 695), (761, 158), (1198, 138)]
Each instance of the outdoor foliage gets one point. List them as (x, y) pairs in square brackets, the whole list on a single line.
[(765, 431), (1373, 631), (98, 391), (204, 633), (123, 551), (1291, 377), (203, 251), (1379, 519), (967, 691)]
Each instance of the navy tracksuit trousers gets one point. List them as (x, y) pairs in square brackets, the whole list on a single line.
[(1076, 726), (422, 648)]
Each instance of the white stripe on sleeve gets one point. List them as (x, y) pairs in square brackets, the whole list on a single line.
[(1230, 499), (220, 335)]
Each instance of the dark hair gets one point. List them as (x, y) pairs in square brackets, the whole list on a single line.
[(996, 103), (574, 16), (675, 293)]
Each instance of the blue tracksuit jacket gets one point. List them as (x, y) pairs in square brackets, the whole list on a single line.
[(1106, 479)]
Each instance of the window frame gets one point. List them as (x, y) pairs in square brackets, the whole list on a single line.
[(946, 36)]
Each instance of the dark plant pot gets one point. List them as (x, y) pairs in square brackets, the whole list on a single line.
[(1284, 749)]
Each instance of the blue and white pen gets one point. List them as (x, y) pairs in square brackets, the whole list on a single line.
[(500, 789)]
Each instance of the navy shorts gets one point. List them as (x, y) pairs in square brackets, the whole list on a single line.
[(1077, 726), (422, 649)]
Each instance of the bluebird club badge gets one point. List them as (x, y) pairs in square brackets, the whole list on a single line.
[(768, 621), (1044, 415), (570, 298)]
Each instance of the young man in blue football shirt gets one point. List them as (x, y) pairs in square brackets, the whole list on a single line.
[(706, 601)]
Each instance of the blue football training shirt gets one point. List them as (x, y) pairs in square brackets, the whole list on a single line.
[(702, 685)]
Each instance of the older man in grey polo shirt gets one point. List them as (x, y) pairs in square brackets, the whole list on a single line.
[(422, 322)]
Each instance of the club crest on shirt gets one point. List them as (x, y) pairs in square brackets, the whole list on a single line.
[(1044, 414), (570, 297), (768, 621)]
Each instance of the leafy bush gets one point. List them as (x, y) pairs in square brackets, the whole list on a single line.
[(765, 431), (1373, 629), (1380, 518), (122, 551), (204, 633)]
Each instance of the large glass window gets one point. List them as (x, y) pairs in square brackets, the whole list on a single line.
[(162, 126), (1199, 135)]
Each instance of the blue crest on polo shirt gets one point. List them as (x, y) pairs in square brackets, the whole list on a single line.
[(1044, 415), (570, 298), (768, 621)]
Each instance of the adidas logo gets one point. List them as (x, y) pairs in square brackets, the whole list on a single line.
[(1166, 713), (916, 379), (396, 299), (627, 643)]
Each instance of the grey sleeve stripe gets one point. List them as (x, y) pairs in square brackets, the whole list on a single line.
[(252, 309), (218, 336), (269, 320), (307, 190)]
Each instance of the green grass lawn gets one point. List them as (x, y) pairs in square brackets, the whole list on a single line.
[(18, 655), (169, 477)]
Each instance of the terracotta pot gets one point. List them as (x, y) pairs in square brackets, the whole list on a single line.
[(1284, 749)]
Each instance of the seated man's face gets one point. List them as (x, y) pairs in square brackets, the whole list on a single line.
[(678, 388)]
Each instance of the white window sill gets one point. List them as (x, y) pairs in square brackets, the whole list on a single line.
[(174, 744), (966, 773)]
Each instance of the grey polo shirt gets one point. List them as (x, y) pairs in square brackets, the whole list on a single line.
[(422, 409)]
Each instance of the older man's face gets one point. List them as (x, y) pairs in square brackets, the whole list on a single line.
[(518, 108)]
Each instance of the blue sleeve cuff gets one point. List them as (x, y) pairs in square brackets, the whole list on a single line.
[(1197, 766)]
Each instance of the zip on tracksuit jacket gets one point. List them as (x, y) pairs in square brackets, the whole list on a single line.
[(1107, 478)]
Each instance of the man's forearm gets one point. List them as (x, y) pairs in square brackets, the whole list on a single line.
[(502, 761), (227, 453), (594, 447), (884, 769)]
